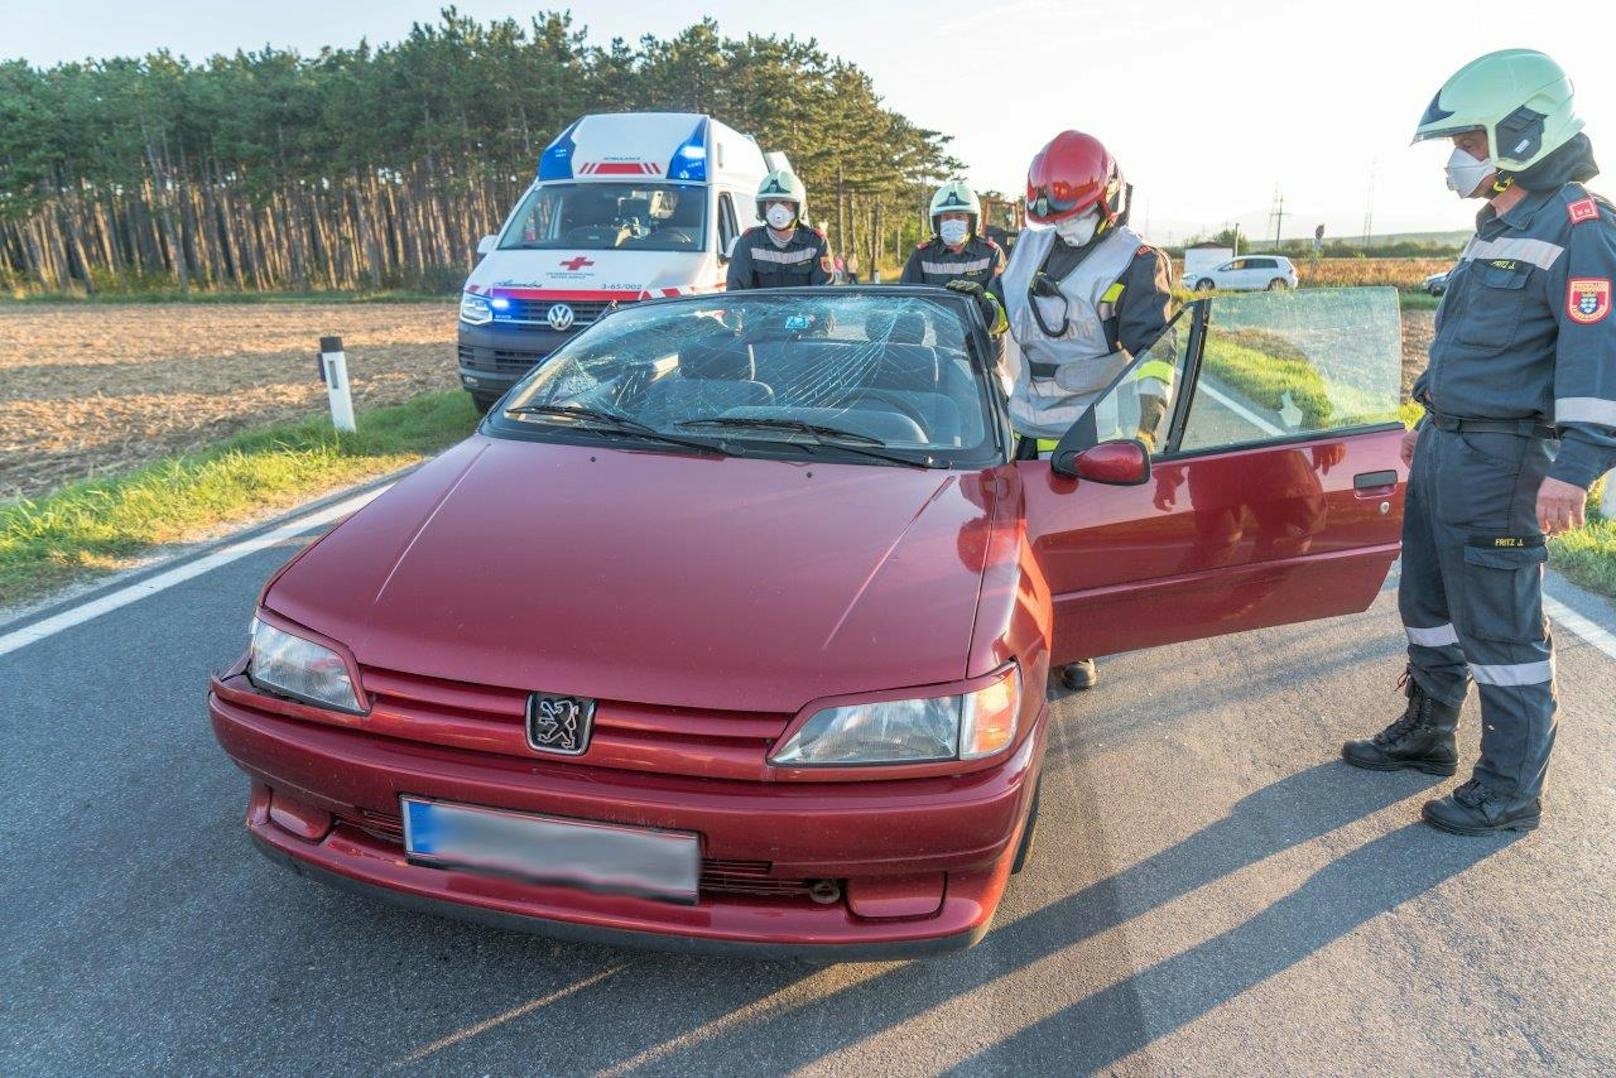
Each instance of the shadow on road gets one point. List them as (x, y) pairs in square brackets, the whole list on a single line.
[(1095, 1031)]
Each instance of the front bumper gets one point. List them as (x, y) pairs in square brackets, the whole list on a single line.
[(953, 838), (493, 357)]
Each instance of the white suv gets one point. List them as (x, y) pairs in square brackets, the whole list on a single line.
[(1249, 273)]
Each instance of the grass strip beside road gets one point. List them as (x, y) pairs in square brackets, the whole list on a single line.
[(101, 525)]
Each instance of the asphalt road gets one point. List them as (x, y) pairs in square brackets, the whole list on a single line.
[(1212, 892)]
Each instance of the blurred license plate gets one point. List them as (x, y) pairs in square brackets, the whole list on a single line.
[(544, 849)]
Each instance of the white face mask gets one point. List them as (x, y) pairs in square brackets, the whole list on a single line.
[(1077, 231), (1465, 173), (779, 215), (954, 233)]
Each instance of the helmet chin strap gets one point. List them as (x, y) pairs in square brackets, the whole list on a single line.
[(1502, 183)]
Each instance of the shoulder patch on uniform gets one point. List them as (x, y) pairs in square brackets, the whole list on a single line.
[(820, 232), (1588, 299), (1144, 249), (826, 264), (991, 242), (1584, 209)]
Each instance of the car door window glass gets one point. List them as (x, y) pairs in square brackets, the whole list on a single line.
[(1286, 364), (1139, 404), (727, 228)]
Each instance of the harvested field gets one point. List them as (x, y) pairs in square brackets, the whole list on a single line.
[(89, 389)]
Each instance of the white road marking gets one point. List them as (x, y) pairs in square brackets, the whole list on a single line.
[(1241, 410), (1567, 618), (78, 615)]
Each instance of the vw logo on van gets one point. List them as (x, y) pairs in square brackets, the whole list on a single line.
[(560, 317)]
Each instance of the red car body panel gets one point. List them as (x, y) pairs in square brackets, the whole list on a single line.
[(710, 606), (1215, 544), (688, 581)]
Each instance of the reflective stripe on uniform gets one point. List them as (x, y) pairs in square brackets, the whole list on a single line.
[(956, 267), (1585, 410), (1047, 445), (785, 258), (1541, 253), (1114, 293), (1159, 369), (1513, 673), (1435, 637)]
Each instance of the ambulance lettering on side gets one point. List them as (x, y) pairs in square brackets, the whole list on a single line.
[(625, 207)]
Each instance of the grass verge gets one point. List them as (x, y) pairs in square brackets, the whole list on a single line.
[(99, 525)]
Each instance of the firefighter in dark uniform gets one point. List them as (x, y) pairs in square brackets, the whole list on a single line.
[(1520, 417), (955, 252), (785, 252)]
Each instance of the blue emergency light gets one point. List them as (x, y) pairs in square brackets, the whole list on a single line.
[(690, 159), (556, 161)]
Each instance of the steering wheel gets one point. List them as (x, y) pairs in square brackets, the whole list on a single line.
[(901, 403)]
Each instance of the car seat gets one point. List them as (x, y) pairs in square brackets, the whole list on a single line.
[(712, 377)]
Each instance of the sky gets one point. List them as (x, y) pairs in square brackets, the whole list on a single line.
[(1211, 107)]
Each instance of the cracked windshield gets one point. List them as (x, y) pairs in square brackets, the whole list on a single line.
[(849, 371)]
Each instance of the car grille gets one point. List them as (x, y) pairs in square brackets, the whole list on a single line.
[(626, 736), (584, 312), (718, 876), (499, 360)]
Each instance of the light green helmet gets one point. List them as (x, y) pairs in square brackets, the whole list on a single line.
[(783, 185), (1519, 97), (955, 197)]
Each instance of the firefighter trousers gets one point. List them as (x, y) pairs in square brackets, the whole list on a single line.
[(1471, 593)]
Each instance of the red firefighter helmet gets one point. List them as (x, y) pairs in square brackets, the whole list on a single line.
[(1071, 175)]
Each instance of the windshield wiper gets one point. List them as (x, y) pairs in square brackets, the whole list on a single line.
[(851, 441), (608, 422)]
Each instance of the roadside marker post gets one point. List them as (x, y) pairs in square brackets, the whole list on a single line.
[(334, 371)]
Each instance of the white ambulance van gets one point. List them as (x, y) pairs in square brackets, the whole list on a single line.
[(626, 206)]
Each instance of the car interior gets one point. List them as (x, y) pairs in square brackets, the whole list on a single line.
[(881, 379)]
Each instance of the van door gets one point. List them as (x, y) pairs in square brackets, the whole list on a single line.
[(728, 231), (1276, 492)]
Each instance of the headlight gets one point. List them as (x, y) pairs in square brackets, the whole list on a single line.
[(299, 668), (475, 310), (963, 727)]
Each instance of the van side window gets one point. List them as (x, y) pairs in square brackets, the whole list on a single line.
[(727, 229)]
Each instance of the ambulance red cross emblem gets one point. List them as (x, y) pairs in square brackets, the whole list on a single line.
[(1587, 299)]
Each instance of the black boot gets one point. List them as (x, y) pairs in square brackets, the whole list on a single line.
[(1084, 675), (1475, 809), (1422, 738)]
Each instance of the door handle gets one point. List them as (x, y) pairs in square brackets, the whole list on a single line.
[(1374, 484)]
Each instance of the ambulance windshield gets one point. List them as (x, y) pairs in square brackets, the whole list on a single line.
[(610, 216)]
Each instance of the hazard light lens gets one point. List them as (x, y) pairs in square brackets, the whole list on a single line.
[(988, 718)]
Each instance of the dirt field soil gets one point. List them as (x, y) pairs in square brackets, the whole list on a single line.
[(88, 389)]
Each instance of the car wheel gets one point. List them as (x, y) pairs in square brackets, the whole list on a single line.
[(1278, 284), (1029, 833), (1204, 285), (484, 402)]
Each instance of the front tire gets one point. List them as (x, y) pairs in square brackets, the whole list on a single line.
[(1029, 833), (482, 402)]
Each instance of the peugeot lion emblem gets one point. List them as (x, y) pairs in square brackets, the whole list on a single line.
[(559, 724), (560, 317)]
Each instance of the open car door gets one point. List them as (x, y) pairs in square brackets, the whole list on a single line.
[(1275, 487)]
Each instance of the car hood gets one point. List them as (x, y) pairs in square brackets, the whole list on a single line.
[(709, 582)]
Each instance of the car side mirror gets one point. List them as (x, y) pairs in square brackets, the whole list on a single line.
[(1124, 462), (486, 244)]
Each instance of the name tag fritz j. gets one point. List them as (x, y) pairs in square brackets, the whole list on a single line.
[(1587, 299)]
